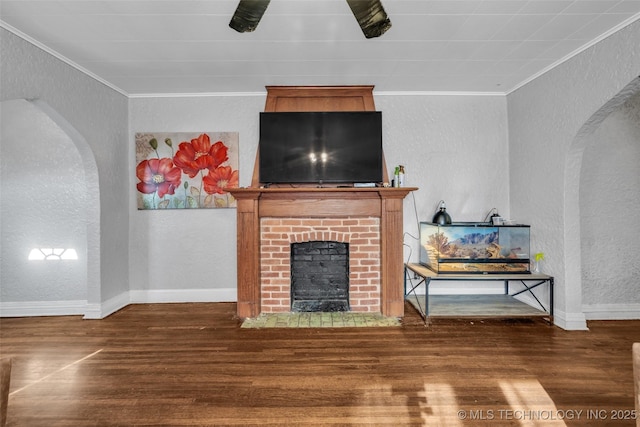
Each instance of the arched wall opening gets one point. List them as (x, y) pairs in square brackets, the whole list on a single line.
[(602, 247), (50, 214)]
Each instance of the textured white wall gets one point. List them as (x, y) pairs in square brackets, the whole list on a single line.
[(43, 205), (609, 209), (453, 147), (189, 255), (96, 116), (545, 117)]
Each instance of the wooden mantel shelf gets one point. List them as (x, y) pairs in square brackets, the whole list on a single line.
[(312, 202), (254, 203), (285, 190), (320, 202)]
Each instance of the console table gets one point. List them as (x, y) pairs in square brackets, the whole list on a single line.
[(426, 276)]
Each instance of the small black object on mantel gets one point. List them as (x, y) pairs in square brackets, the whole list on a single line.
[(441, 217)]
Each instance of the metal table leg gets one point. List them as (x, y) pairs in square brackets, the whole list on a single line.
[(424, 311)]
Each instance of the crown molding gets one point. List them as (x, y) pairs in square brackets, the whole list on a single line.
[(567, 57), (576, 52), (59, 56)]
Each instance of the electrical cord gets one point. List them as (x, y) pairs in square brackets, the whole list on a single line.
[(493, 210), (415, 211)]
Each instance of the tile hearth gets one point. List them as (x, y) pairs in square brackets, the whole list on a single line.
[(320, 320)]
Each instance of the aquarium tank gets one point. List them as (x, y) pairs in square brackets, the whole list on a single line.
[(481, 248)]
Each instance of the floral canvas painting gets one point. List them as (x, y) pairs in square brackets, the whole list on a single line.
[(186, 170)]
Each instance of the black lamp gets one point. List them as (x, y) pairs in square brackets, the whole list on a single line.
[(441, 217), (494, 214)]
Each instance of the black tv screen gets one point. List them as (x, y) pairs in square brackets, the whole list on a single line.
[(321, 147)]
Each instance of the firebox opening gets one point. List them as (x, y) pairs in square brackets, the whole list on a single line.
[(320, 276)]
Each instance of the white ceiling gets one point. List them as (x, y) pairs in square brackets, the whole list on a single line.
[(186, 46)]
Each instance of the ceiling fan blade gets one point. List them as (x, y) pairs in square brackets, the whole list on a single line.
[(248, 14), (371, 17)]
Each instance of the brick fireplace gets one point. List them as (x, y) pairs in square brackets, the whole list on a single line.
[(363, 237), (369, 219)]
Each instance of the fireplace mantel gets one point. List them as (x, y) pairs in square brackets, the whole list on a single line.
[(384, 203), (258, 202)]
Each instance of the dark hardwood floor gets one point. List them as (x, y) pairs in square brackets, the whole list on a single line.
[(192, 365)]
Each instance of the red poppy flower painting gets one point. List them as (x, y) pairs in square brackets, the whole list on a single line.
[(196, 175)]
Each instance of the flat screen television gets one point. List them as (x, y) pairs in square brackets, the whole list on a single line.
[(320, 147)]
